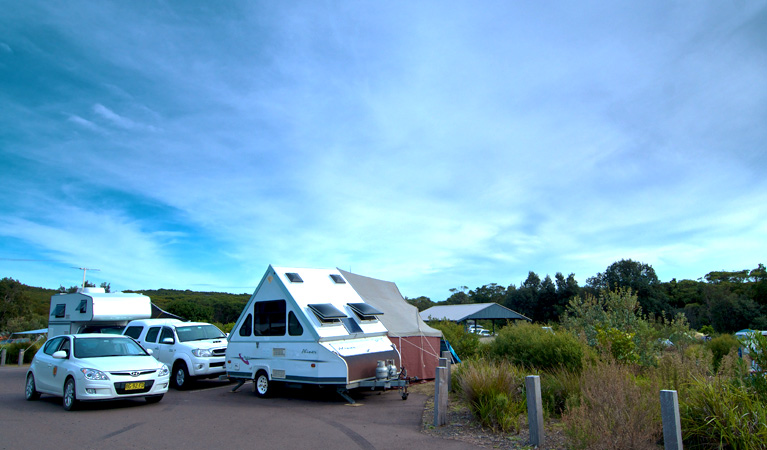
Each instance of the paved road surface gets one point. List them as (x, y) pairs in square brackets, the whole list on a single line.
[(212, 417)]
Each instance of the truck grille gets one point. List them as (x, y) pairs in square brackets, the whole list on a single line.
[(219, 351)]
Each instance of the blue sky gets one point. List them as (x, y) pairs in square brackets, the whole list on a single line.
[(188, 145)]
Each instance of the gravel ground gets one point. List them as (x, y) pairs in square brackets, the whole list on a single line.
[(462, 426)]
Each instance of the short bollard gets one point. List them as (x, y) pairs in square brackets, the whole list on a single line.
[(672, 427), (534, 409), (2, 357), (448, 357), (21, 356), (440, 396)]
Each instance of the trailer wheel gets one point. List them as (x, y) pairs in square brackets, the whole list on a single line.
[(261, 384)]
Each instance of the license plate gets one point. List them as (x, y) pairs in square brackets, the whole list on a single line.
[(134, 386)]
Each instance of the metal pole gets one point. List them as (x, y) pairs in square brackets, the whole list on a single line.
[(534, 410), (672, 427), (21, 356)]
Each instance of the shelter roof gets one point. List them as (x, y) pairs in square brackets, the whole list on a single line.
[(471, 311)]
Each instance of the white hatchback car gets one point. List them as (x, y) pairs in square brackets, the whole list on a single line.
[(89, 367)]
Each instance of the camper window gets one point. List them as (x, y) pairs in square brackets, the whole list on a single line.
[(269, 318), (83, 306), (60, 310), (326, 313), (151, 335), (294, 326), (364, 311), (247, 326)]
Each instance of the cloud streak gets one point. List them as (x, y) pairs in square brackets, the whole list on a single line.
[(431, 146)]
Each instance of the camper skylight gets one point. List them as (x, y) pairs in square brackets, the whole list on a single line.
[(364, 311), (326, 312), (338, 279), (294, 277)]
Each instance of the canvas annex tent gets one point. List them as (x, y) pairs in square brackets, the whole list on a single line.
[(418, 343)]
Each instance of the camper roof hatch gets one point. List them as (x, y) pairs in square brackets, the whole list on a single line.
[(326, 312), (364, 311)]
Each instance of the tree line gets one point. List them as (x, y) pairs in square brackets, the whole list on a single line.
[(724, 301)]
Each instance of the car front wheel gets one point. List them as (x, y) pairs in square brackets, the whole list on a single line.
[(30, 390), (70, 395)]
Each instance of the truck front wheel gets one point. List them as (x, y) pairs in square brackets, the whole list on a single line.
[(180, 378)]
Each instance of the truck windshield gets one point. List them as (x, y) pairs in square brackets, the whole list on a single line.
[(198, 333)]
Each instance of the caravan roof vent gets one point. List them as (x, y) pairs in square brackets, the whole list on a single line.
[(294, 277), (326, 312), (365, 311), (337, 279)]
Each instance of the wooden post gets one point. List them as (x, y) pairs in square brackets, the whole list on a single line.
[(440, 395), (534, 410), (2, 357), (447, 356), (21, 356), (672, 427)]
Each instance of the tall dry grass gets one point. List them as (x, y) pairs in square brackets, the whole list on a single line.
[(615, 411)]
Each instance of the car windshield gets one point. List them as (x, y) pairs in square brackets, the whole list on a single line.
[(106, 346), (198, 333)]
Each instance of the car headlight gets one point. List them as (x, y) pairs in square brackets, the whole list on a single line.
[(202, 352), (93, 374), (164, 371)]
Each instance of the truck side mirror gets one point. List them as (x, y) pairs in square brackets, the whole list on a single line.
[(168, 340)]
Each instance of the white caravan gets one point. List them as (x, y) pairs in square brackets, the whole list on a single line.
[(309, 326), (92, 310)]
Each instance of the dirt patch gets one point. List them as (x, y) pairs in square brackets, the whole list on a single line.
[(462, 426)]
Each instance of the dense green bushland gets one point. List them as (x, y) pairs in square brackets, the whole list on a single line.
[(723, 301), (626, 359), (30, 348), (529, 345)]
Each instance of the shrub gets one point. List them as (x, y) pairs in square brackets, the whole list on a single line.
[(465, 344), (494, 392), (676, 369), (533, 347), (12, 351), (614, 411), (559, 388), (720, 346), (722, 414)]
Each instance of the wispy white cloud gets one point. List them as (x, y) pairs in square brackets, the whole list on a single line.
[(432, 146)]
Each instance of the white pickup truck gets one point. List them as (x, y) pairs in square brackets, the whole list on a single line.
[(191, 349)]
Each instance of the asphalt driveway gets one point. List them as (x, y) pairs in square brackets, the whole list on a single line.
[(210, 416)]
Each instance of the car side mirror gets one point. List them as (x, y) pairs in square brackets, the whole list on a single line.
[(61, 354), (149, 351), (168, 340)]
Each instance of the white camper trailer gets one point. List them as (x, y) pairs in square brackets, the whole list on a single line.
[(309, 326), (92, 310)]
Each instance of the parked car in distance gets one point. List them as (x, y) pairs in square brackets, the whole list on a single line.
[(191, 349), (91, 367)]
